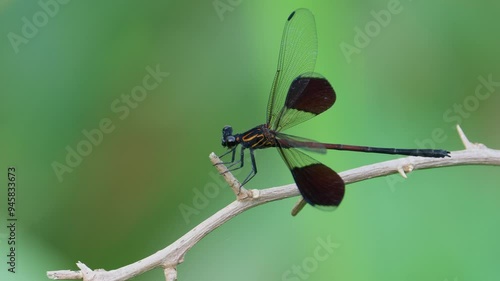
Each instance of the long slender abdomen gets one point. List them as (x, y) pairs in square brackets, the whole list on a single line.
[(437, 153)]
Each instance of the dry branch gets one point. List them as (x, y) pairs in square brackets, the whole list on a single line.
[(169, 257)]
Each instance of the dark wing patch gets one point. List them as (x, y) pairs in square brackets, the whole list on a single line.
[(317, 183), (309, 95)]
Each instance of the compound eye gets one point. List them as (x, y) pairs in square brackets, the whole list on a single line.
[(227, 131)]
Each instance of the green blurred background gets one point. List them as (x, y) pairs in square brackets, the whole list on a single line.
[(124, 201)]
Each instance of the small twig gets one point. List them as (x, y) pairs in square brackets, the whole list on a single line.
[(170, 273), (298, 206), (172, 255)]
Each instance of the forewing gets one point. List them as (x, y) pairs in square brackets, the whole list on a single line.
[(289, 141), (317, 183), (309, 95), (297, 55)]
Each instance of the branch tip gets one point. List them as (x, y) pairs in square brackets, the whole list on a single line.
[(170, 273), (463, 137), (83, 267), (64, 275), (298, 206), (466, 142), (402, 172)]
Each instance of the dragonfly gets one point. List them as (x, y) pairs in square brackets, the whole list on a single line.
[(299, 94)]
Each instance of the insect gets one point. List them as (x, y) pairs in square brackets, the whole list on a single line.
[(298, 94)]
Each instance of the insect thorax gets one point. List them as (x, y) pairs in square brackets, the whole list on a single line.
[(258, 137)]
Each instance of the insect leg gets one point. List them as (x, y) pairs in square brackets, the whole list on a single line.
[(254, 168)]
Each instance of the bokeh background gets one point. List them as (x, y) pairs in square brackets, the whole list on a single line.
[(129, 197)]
